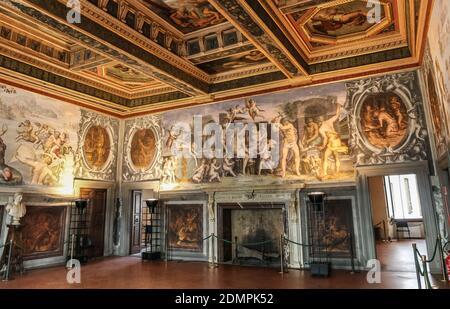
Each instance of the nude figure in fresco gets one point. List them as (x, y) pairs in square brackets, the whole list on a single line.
[(333, 148), (253, 109), (41, 171), (214, 171), (290, 138), (333, 19), (311, 137), (200, 172), (227, 167), (386, 121), (332, 144), (396, 108)]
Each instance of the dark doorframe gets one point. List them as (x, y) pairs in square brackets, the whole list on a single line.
[(96, 219), (136, 222)]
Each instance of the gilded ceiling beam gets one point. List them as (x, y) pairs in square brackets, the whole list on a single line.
[(88, 33), (241, 15)]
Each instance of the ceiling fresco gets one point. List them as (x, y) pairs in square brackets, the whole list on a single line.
[(341, 20), (129, 57), (186, 15)]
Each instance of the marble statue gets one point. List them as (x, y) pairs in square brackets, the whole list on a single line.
[(16, 208)]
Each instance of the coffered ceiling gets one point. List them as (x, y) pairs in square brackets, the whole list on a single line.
[(128, 57)]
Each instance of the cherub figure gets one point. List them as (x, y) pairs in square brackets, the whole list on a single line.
[(214, 171), (200, 172), (227, 167), (253, 109), (233, 112)]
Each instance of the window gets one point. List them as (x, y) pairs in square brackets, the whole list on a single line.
[(402, 197)]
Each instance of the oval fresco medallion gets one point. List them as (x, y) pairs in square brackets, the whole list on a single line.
[(384, 120), (143, 148), (97, 147)]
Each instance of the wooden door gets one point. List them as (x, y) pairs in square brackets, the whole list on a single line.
[(96, 219), (136, 222)]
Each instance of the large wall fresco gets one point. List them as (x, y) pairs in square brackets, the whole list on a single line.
[(436, 106), (438, 70), (324, 132), (39, 141), (312, 144)]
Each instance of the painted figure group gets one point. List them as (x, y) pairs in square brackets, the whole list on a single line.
[(41, 148), (316, 153)]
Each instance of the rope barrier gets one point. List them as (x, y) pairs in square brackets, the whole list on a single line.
[(239, 244), (206, 238), (423, 271), (296, 243), (446, 244), (435, 251)]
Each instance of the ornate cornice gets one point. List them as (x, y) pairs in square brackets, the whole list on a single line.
[(94, 13), (88, 33), (235, 11)]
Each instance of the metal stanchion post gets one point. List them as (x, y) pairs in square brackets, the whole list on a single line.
[(281, 255), (213, 251), (425, 272), (352, 254), (8, 266), (416, 262), (69, 266)]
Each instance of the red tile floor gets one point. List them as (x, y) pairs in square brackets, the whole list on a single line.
[(131, 272)]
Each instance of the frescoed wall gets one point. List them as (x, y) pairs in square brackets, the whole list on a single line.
[(44, 142), (312, 143), (323, 133), (437, 77), (439, 66)]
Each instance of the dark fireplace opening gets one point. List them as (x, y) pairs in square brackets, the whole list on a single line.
[(250, 234)]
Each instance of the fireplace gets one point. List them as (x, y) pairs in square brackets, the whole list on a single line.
[(249, 233)]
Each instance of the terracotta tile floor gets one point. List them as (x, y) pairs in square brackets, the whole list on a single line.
[(132, 273), (398, 255)]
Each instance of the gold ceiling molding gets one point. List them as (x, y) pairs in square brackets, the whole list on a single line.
[(368, 42), (253, 71), (244, 31), (61, 93), (21, 26), (26, 56), (143, 66), (398, 48), (91, 11), (273, 36)]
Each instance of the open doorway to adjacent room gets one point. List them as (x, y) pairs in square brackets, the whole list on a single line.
[(397, 220)]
